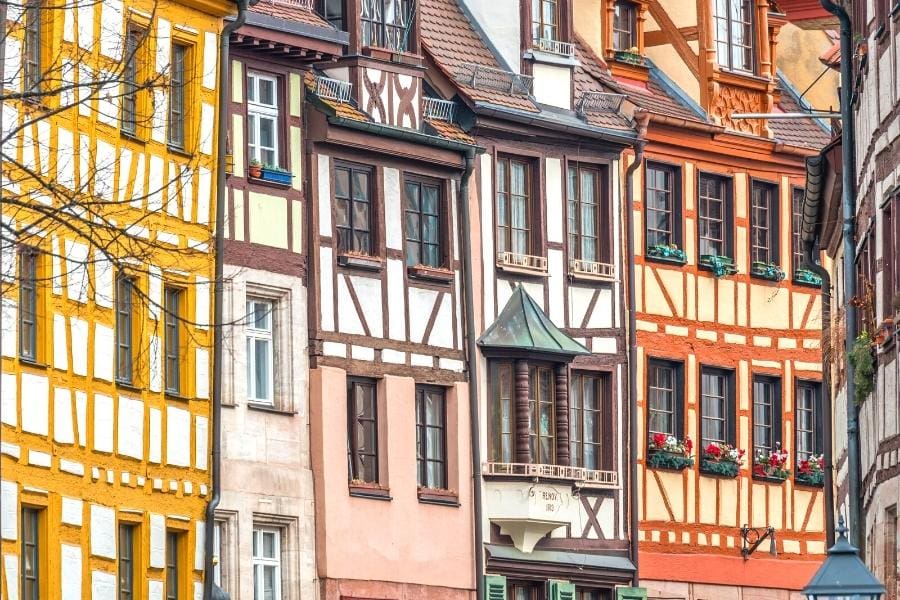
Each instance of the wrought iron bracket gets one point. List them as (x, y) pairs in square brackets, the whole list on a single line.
[(752, 537)]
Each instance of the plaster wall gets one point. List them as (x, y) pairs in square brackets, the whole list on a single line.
[(500, 23), (798, 53)]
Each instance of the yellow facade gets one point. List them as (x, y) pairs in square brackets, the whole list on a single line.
[(84, 450)]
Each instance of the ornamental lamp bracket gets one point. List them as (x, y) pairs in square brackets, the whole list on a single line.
[(752, 537)]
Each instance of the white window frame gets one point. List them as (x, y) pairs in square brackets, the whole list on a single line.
[(259, 110), (254, 334), (260, 562)]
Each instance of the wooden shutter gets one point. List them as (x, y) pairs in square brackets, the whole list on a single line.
[(562, 590), (494, 587), (631, 593)]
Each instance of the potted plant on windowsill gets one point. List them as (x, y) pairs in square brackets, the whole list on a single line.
[(276, 174), (721, 459), (807, 277), (765, 270), (669, 253), (630, 56), (772, 466), (719, 265), (254, 169), (668, 452), (811, 472)]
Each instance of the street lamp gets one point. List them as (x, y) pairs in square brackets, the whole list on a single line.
[(843, 576)]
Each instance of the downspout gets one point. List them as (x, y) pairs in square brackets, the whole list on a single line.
[(472, 360), (809, 263), (848, 194), (642, 118), (218, 301)]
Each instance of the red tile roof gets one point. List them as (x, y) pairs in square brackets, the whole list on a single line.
[(341, 109), (297, 11), (453, 43), (447, 130), (797, 132)]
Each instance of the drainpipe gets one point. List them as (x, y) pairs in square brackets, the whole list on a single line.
[(465, 231), (642, 118), (809, 263), (848, 195), (218, 301)]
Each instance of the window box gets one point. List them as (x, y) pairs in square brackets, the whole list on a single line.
[(807, 277), (771, 467), (721, 459), (276, 175), (769, 271), (668, 452), (438, 496), (670, 253), (721, 468), (588, 269), (810, 472), (436, 274), (632, 58), (360, 261), (363, 489), (719, 265)]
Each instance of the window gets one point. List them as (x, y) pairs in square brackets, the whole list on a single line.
[(588, 221), (809, 439), (891, 560), (125, 329), (715, 216), (352, 190), (525, 591), (585, 594), (262, 118), (717, 406), (663, 200), (127, 558), (131, 79), (260, 346), (624, 26), (766, 414), (544, 20), (386, 24), (734, 34), (33, 40), (797, 252), (362, 430), (513, 206), (173, 340), (28, 304), (431, 437), (333, 12), (665, 397), (890, 256), (173, 565), (177, 96), (219, 549), (588, 399), (764, 223), (503, 444), (266, 564), (541, 415), (423, 224), (32, 582)]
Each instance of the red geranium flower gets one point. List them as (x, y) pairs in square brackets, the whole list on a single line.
[(688, 444), (659, 440), (758, 469), (713, 450)]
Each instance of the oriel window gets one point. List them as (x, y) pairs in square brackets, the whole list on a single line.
[(588, 221), (587, 400), (173, 297), (352, 191), (544, 20), (386, 24), (733, 21), (513, 206), (28, 303), (177, 96), (542, 415), (423, 224), (764, 223), (431, 437), (362, 431), (624, 26), (502, 447)]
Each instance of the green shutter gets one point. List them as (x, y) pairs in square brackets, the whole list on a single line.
[(631, 593), (494, 587), (561, 590)]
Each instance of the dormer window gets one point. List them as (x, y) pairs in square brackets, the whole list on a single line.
[(385, 24), (733, 21), (624, 26), (544, 20)]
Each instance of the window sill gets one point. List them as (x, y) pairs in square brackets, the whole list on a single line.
[(371, 491), (434, 274), (880, 32), (743, 78), (438, 496), (268, 408), (132, 137), (519, 270), (361, 261), (768, 479), (669, 260), (179, 151), (176, 396), (268, 183), (129, 385), (550, 58), (799, 480), (33, 363)]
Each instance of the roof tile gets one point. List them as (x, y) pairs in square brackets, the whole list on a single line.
[(297, 11)]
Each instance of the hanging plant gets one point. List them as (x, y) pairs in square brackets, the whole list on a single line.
[(863, 362)]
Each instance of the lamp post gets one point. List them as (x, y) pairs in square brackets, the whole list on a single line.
[(843, 576)]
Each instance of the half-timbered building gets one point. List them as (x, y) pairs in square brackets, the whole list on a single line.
[(265, 523), (548, 295), (728, 390), (384, 160)]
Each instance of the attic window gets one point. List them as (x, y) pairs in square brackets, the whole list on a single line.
[(386, 23), (624, 26)]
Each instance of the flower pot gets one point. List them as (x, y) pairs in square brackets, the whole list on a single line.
[(812, 479), (255, 171), (673, 461), (720, 468), (277, 176)]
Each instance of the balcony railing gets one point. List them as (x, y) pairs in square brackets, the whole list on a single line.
[(309, 5), (440, 110), (522, 261), (591, 268), (481, 77), (555, 47), (576, 474), (333, 89), (599, 102)]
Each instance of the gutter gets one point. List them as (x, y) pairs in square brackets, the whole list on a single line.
[(848, 193), (211, 591), (472, 366), (401, 134), (642, 119)]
